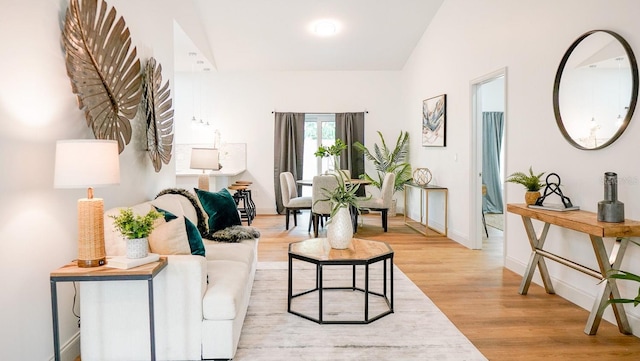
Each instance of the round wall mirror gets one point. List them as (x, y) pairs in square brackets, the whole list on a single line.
[(595, 89)]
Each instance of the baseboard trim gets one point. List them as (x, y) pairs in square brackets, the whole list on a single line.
[(70, 350)]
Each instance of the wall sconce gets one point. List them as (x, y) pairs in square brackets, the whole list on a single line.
[(205, 159), (85, 164)]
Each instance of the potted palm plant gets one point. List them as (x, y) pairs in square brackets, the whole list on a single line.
[(532, 183), (136, 229), (388, 160)]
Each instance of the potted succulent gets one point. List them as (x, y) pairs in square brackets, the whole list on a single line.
[(333, 153), (387, 160), (531, 182), (136, 230)]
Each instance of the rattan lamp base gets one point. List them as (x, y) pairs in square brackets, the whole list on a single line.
[(203, 182), (91, 251)]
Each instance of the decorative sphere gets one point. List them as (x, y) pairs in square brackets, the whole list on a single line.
[(422, 176)]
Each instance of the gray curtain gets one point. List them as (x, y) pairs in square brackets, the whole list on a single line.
[(492, 128), (350, 128), (288, 150)]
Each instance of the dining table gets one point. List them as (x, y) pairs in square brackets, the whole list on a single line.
[(309, 182)]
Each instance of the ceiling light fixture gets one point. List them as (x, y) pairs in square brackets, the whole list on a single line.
[(324, 27)]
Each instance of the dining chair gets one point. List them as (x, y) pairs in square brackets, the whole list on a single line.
[(382, 203), (291, 201), (321, 208)]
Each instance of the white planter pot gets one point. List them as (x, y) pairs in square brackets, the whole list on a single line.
[(137, 248), (340, 229)]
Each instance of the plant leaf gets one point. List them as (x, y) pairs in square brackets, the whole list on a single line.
[(156, 104), (104, 73)]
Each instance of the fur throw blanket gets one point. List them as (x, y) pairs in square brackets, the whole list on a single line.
[(202, 219), (235, 234)]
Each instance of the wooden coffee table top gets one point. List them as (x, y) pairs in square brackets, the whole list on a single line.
[(318, 249)]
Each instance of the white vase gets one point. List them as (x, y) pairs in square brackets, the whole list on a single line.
[(340, 229), (137, 248)]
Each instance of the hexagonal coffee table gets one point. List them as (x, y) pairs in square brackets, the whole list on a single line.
[(361, 252)]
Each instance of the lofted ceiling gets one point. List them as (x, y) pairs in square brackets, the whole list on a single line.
[(275, 35)]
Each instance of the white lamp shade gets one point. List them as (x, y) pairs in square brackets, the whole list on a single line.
[(204, 158), (82, 163)]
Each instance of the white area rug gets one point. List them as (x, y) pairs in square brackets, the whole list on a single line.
[(417, 330), (495, 220)]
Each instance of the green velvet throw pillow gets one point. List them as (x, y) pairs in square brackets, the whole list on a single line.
[(220, 207), (193, 235)]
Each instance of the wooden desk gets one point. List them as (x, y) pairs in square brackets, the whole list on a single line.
[(584, 222), (72, 273), (417, 225)]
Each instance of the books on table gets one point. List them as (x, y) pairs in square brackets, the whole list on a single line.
[(122, 262)]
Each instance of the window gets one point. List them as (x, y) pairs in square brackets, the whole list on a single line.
[(319, 129)]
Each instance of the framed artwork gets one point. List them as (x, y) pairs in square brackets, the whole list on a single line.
[(434, 121)]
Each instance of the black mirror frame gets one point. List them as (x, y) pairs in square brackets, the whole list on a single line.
[(634, 91)]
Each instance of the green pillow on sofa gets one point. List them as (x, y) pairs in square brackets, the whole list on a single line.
[(220, 207)]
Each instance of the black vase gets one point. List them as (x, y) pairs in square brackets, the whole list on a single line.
[(610, 209)]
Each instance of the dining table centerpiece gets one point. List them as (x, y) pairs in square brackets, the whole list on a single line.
[(332, 153)]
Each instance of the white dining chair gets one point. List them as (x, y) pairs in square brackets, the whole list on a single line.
[(382, 203), (321, 208), (290, 200)]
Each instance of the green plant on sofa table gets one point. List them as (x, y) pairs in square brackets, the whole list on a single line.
[(387, 160), (133, 226)]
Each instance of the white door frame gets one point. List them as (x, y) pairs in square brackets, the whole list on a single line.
[(476, 229)]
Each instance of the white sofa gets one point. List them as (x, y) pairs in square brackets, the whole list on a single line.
[(200, 302)]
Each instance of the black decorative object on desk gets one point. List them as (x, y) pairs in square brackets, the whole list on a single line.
[(553, 187), (610, 209)]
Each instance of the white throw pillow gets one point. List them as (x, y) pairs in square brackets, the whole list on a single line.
[(170, 238)]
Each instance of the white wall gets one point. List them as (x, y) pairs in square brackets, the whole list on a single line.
[(38, 230), (468, 39), (240, 105)]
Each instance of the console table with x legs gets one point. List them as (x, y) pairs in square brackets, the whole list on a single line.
[(584, 222)]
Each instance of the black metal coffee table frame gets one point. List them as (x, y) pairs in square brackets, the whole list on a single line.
[(387, 293)]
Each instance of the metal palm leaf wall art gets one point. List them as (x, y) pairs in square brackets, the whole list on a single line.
[(103, 68), (156, 104)]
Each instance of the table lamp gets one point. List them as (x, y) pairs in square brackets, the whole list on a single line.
[(204, 158), (88, 163)]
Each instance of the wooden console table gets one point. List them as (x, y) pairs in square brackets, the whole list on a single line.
[(584, 222), (417, 225)]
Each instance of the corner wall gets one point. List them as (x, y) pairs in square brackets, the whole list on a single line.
[(468, 39), (38, 231)]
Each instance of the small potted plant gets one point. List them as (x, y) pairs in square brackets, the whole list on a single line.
[(531, 182), (333, 153), (136, 230)]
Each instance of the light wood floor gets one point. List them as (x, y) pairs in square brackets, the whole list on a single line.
[(477, 294)]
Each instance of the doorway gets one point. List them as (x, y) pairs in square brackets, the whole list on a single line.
[(488, 94)]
